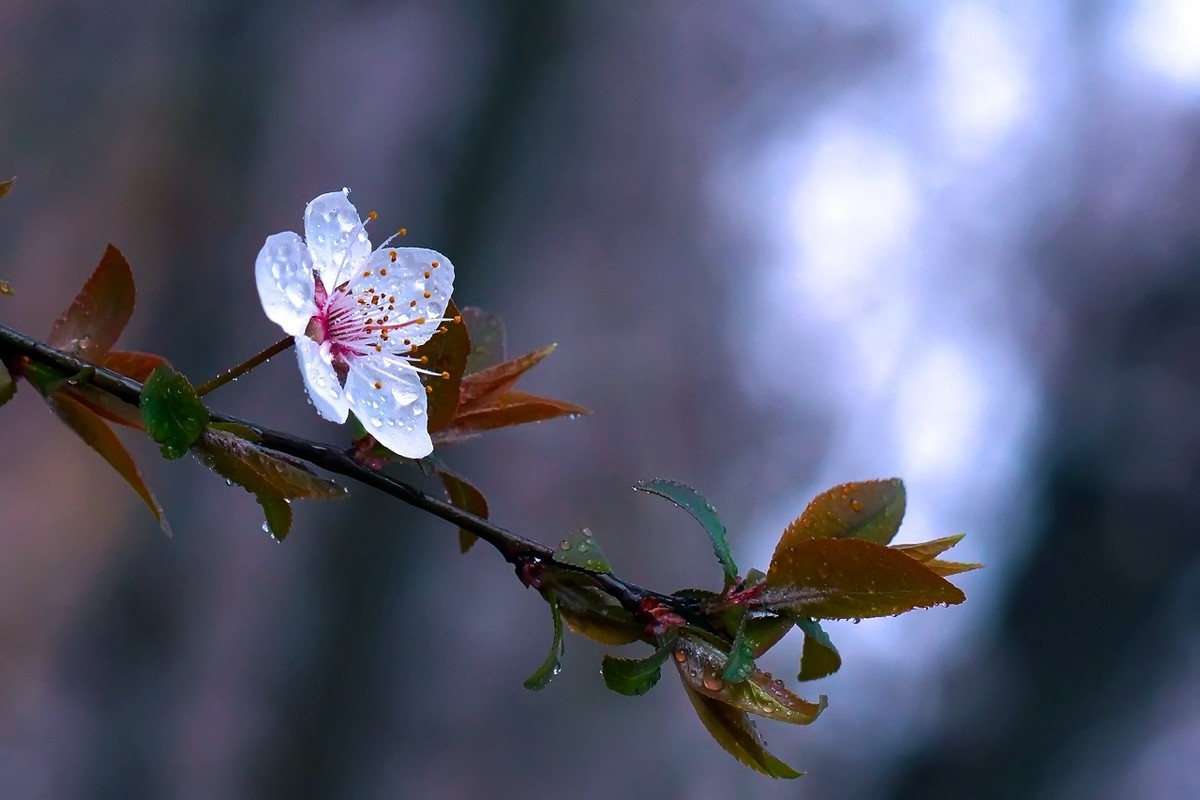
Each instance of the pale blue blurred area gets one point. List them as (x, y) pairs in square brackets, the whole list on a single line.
[(781, 245)]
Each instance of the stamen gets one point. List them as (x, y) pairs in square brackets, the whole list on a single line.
[(428, 390), (428, 295), (393, 256), (383, 270), (445, 376), (428, 274), (371, 217), (378, 384), (367, 274), (434, 264)]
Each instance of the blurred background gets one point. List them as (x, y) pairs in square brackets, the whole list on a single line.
[(781, 245)]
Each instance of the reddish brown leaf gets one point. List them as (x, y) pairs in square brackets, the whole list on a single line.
[(927, 552), (6, 186), (503, 411), (923, 551), (5, 288), (702, 666), (464, 495), (100, 311), (482, 385), (733, 730), (105, 405), (849, 578), (591, 613), (445, 354), (868, 510), (100, 438), (136, 366)]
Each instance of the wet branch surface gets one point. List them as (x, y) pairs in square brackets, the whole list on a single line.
[(517, 550)]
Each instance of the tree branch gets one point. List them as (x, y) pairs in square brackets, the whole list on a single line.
[(516, 549)]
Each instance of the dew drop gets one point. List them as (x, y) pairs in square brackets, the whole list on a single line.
[(583, 547), (681, 655), (856, 506), (713, 683), (564, 545), (376, 422)]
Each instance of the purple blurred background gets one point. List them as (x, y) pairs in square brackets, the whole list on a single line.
[(781, 245)]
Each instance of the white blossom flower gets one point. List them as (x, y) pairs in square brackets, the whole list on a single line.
[(356, 316)]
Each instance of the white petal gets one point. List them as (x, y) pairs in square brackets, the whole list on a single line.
[(405, 280), (284, 274), (336, 237), (321, 381), (394, 413)]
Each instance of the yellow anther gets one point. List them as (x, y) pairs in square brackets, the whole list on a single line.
[(424, 359), (420, 320), (458, 319), (428, 295), (403, 231), (446, 376), (383, 270), (428, 390), (428, 274), (367, 273), (434, 264), (378, 384), (392, 255), (372, 216)]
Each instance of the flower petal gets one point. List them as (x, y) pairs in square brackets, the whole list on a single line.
[(404, 279), (321, 381), (284, 274), (336, 237), (388, 398)]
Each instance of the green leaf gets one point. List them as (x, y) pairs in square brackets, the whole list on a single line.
[(8, 387), (542, 676), (763, 633), (463, 494), (702, 665), (446, 354), (173, 413), (733, 730), (741, 656), (101, 438), (848, 578), (274, 479), (868, 510), (634, 676), (488, 338), (698, 506), (100, 311), (819, 657), (580, 550)]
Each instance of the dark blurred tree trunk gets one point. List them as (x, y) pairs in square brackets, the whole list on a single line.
[(1082, 636)]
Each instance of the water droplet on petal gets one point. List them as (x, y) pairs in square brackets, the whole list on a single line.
[(564, 545), (713, 683), (681, 655)]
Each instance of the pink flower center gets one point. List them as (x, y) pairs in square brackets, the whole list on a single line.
[(358, 324)]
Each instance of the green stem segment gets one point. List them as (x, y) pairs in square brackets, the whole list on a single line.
[(233, 373)]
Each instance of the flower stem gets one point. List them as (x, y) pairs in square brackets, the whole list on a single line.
[(233, 373)]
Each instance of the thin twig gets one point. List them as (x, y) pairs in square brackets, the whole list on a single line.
[(233, 373)]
